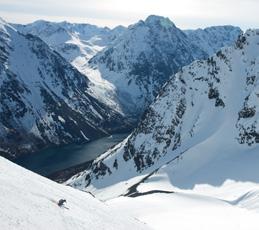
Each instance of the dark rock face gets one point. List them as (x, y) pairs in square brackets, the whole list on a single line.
[(248, 133), (44, 100), (247, 112)]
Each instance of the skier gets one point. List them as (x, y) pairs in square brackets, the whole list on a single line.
[(61, 202)]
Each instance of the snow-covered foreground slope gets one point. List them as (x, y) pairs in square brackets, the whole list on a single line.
[(44, 100), (29, 201), (231, 205), (185, 211), (201, 130)]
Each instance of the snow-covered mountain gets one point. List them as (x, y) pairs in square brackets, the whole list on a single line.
[(142, 60), (148, 54), (44, 100), (201, 131), (128, 66), (29, 201), (77, 43), (212, 39)]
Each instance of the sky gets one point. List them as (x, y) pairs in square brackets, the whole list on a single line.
[(186, 14)]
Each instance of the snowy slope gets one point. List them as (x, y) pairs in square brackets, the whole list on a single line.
[(185, 211), (29, 202), (44, 99), (201, 130), (212, 39)]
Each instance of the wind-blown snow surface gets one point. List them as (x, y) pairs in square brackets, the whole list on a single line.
[(44, 99), (29, 201), (185, 211), (202, 129)]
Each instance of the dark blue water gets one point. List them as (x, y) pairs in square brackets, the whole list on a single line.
[(52, 160)]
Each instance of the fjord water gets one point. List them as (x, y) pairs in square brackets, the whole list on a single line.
[(52, 160)]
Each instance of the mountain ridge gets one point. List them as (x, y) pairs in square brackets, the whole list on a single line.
[(44, 99)]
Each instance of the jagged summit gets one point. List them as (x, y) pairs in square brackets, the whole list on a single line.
[(154, 22), (163, 21), (41, 22)]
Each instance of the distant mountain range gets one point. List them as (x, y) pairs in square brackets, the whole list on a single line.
[(128, 66)]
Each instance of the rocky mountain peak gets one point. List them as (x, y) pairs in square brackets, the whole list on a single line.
[(154, 20)]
